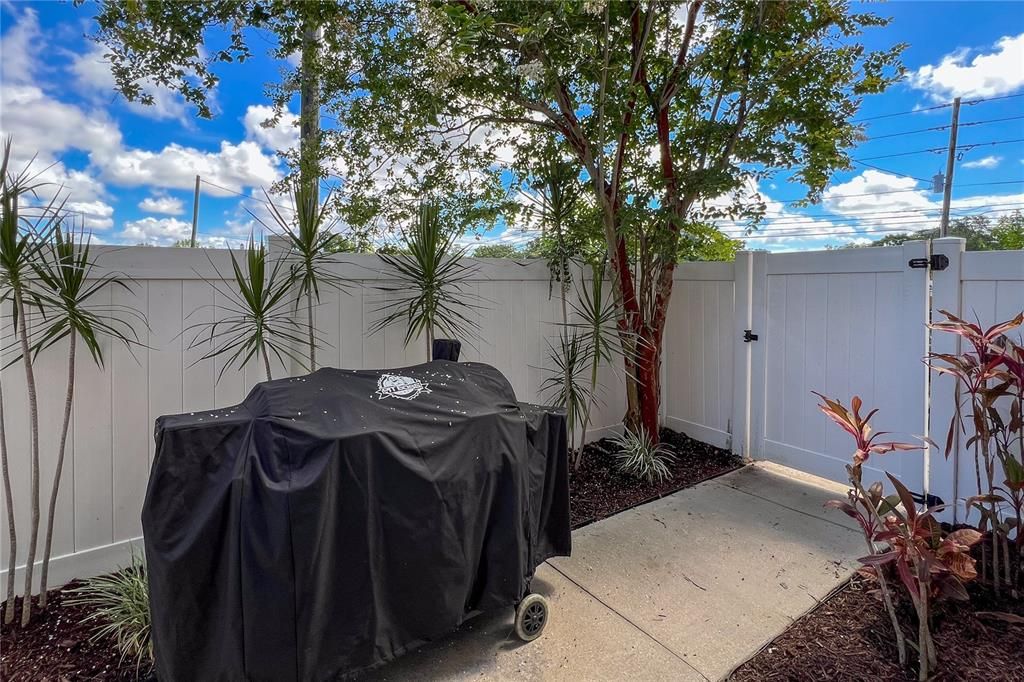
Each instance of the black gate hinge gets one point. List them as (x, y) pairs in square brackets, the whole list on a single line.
[(748, 336), (938, 261)]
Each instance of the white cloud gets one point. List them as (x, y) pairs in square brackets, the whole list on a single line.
[(282, 136), (985, 162), (45, 126), (158, 231), (20, 46), (864, 209), (93, 215), (997, 72), (162, 204), (516, 236), (230, 170)]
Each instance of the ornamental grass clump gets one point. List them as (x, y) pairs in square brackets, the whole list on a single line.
[(638, 456), (120, 610)]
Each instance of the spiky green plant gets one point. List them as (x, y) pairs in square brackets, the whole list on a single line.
[(595, 320), (257, 321), (563, 388), (21, 239), (120, 610), (639, 457), (68, 283), (432, 293), (12, 540), (311, 243)]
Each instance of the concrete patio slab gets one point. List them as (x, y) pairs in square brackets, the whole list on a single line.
[(793, 489), (713, 572), (584, 640), (686, 587)]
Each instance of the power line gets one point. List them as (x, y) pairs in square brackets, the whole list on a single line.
[(934, 108), (890, 214), (890, 172), (913, 189), (246, 196), (902, 113), (827, 233), (896, 212), (793, 222), (938, 150), (941, 128)]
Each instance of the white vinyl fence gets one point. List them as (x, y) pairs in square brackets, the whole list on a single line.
[(844, 323), (110, 445)]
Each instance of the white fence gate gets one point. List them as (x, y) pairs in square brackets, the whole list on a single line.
[(842, 323)]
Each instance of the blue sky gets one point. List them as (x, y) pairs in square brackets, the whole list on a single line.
[(130, 169)]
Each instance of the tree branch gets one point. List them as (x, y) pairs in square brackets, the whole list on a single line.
[(672, 82)]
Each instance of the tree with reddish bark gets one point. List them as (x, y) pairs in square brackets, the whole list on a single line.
[(671, 111)]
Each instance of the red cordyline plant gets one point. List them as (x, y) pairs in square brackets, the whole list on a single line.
[(1008, 498), (927, 563), (990, 378), (863, 505)]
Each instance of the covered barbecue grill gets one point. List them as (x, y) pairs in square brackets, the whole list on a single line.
[(333, 521)]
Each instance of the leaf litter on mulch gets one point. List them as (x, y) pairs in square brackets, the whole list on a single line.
[(849, 637)]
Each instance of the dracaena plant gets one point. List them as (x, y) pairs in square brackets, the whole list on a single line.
[(69, 285), (311, 239), (866, 505), (565, 387), (256, 323), (928, 562), (23, 235), (990, 378), (433, 291)]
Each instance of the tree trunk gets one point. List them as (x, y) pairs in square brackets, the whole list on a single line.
[(33, 411), (309, 109), (648, 374), (12, 531), (266, 362), (312, 336), (69, 399)]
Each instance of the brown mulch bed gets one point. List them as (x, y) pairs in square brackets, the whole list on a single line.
[(848, 637), (56, 646), (597, 490)]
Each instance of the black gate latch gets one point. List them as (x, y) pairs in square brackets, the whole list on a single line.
[(938, 261), (748, 336), (928, 500)]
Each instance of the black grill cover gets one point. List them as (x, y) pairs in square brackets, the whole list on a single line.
[(333, 521)]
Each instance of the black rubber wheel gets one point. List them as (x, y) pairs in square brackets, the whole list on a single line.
[(531, 617)]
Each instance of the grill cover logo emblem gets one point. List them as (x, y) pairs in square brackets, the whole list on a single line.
[(398, 386)]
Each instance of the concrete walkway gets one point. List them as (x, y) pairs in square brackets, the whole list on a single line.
[(684, 588)]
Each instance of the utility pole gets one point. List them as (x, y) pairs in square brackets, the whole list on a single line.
[(950, 162), (195, 215)]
